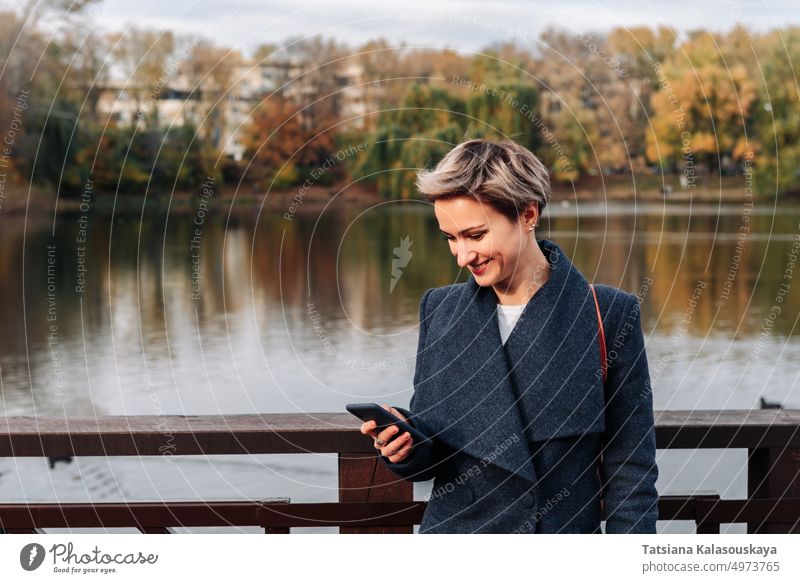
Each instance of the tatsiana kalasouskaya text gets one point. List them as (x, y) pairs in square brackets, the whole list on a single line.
[(708, 550)]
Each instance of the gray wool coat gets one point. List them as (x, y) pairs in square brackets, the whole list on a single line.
[(525, 437)]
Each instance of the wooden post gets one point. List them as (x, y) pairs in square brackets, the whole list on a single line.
[(270, 530), (363, 477), (773, 473)]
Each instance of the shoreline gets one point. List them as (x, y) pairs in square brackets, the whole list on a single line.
[(315, 199)]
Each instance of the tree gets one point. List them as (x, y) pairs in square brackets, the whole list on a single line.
[(279, 145), (776, 140), (570, 101), (703, 106), (144, 57)]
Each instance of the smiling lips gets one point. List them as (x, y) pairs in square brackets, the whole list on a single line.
[(480, 268)]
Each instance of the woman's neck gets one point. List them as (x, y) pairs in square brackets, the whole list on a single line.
[(533, 274)]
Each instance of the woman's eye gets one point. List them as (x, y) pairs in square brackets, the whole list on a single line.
[(476, 237)]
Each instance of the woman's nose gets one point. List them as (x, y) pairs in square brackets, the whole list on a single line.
[(464, 255)]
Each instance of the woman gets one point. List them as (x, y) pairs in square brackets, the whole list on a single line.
[(525, 434)]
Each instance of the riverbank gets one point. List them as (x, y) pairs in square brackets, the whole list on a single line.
[(651, 188), (36, 201), (20, 199)]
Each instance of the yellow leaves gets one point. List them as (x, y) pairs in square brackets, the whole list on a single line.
[(702, 143), (745, 148), (563, 171), (286, 175), (703, 103)]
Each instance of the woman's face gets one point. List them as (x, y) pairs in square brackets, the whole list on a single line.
[(482, 239)]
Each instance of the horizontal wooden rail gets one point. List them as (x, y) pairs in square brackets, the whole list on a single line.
[(181, 435), (148, 517), (708, 512), (759, 511), (770, 436), (333, 433), (734, 428), (348, 514)]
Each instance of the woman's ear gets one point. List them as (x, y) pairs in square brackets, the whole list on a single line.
[(531, 216)]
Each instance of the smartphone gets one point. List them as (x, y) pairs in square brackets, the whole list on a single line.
[(383, 419)]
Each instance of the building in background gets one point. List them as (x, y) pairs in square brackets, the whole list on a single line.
[(223, 111)]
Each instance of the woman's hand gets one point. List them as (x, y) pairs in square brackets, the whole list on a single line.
[(395, 448)]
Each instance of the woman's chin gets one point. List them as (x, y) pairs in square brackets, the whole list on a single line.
[(484, 279)]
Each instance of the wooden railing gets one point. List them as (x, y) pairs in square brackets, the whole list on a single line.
[(371, 498)]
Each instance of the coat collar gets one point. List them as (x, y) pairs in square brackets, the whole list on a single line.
[(495, 402)]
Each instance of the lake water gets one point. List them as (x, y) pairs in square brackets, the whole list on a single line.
[(255, 313)]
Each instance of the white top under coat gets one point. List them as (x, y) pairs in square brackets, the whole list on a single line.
[(507, 317)]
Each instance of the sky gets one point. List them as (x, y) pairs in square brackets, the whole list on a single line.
[(464, 25)]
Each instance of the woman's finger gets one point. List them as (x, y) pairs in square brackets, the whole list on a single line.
[(396, 445), (402, 454), (382, 439), (368, 428), (388, 434)]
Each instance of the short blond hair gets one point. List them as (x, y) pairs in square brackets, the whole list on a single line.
[(503, 174)]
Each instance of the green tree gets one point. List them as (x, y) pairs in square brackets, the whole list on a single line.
[(777, 136)]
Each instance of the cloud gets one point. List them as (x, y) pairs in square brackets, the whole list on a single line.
[(462, 25)]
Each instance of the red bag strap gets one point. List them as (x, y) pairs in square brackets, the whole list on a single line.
[(603, 357)]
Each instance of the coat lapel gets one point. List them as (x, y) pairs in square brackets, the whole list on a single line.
[(554, 356), (490, 400)]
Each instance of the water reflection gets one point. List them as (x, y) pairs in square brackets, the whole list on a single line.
[(277, 315)]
